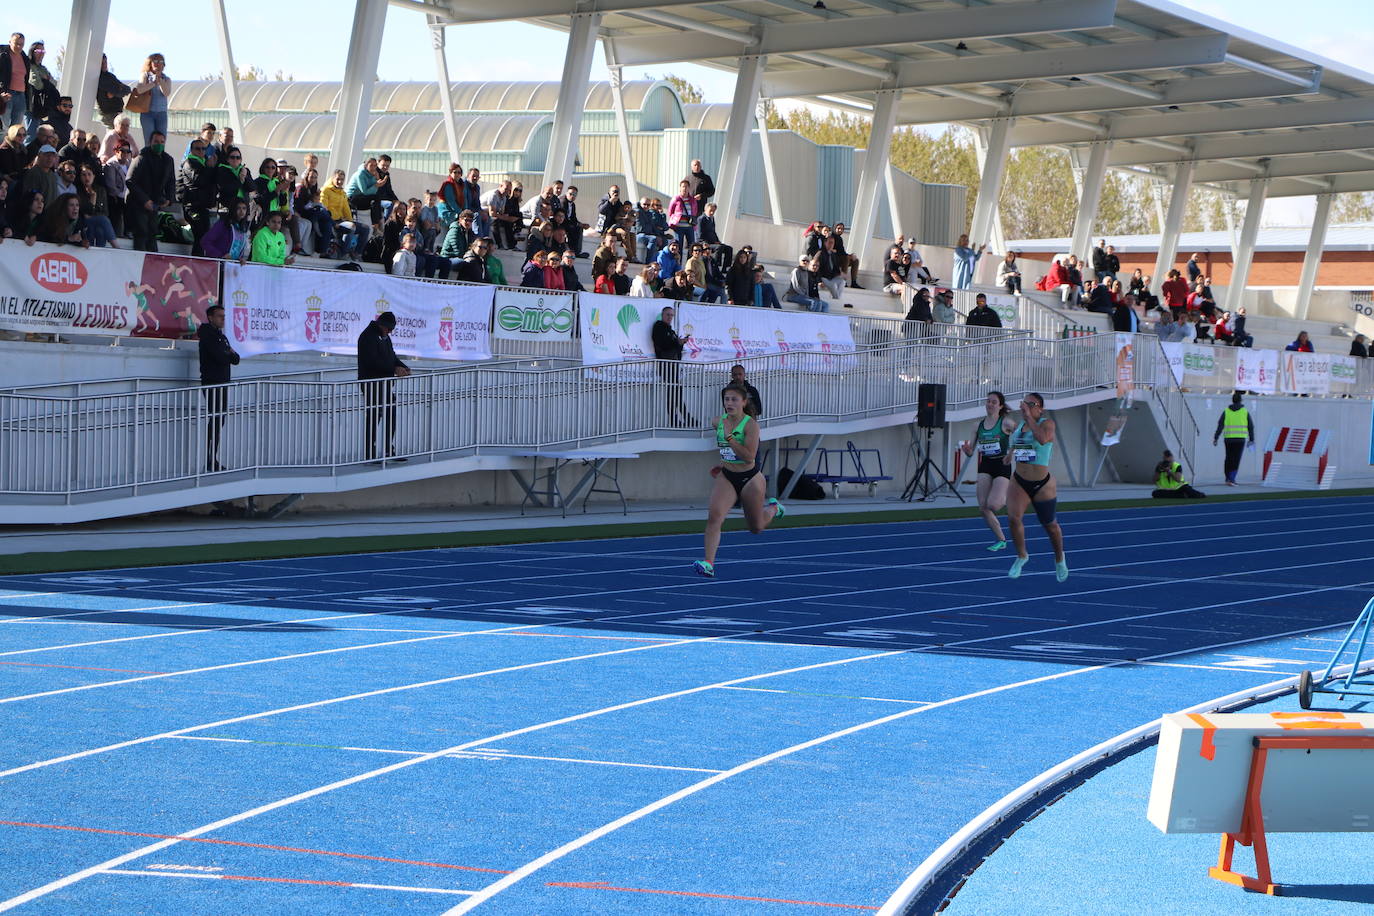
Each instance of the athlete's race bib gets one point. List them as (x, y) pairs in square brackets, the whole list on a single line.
[(991, 449), (1024, 455), (728, 454)]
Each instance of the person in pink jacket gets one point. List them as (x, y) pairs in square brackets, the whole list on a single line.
[(682, 215)]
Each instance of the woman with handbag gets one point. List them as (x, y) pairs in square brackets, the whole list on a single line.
[(149, 97)]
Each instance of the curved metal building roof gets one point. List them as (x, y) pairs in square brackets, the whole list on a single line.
[(400, 132)]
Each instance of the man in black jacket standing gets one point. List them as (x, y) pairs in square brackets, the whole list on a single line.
[(700, 186), (668, 351), (216, 356), (378, 368), (982, 316), (198, 192), (152, 184)]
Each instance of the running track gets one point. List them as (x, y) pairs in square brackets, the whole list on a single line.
[(585, 727)]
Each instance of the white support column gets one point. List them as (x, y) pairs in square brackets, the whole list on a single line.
[(572, 97), (743, 117), (900, 221), (437, 41), (1173, 221), (229, 73), (1313, 259), (1249, 233), (996, 146), (875, 167), (770, 168), (360, 75), (1089, 197), (622, 124), (1157, 195), (81, 63)]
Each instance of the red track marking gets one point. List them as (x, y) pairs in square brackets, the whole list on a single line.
[(81, 668), (603, 886), (316, 852)]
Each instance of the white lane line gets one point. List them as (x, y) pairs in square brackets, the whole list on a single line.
[(244, 664), (486, 752), (127, 610), (70, 879), (553, 855), (202, 875), (835, 696)]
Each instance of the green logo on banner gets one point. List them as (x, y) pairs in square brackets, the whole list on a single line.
[(534, 320), (626, 317)]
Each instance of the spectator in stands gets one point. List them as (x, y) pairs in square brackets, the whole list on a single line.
[(668, 351), (602, 282), (95, 209), (965, 261), (683, 213), (1169, 482), (620, 280), (500, 221), (228, 239), (26, 217), (386, 194), (403, 261), (572, 223), (109, 94), (895, 273), (62, 223), (1111, 264), (197, 191), (362, 190), (647, 237), (74, 150), (609, 210), (14, 155), (116, 180), (1100, 298), (982, 316), (920, 306), (739, 280), (428, 263), (1008, 274), (434, 230), (700, 186), (737, 377), (645, 283), (310, 210), (1236, 426), (1139, 282), (1124, 317), (458, 241), (571, 282), (269, 244), (92, 157), (66, 178), (765, 295), (378, 368), (943, 306), (830, 270), (804, 288), (472, 267), (706, 228), (207, 138), (391, 233), (557, 241), (1194, 269), (715, 279), (496, 271), (669, 260), (553, 270), (678, 286), (1302, 345), (5, 231), (1175, 292), (1193, 321), (1073, 277), (119, 135), (352, 235), (1170, 331), (43, 95), (42, 135), (42, 175), (849, 260), (532, 277), (216, 359), (452, 195), (14, 82), (1358, 347), (603, 260), (696, 269), (151, 185), (226, 142), (1222, 329), (154, 83)]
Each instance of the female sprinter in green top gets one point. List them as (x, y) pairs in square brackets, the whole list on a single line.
[(1032, 443), (992, 442), (737, 476)]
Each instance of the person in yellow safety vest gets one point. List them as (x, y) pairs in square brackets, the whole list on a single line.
[(1235, 426), (1169, 482)]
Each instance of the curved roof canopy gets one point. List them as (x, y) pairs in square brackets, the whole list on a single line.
[(1165, 83), (416, 132)]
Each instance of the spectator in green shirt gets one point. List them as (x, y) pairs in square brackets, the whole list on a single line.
[(269, 244)]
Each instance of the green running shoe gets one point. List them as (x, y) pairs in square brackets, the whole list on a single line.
[(702, 568), (1015, 571), (1000, 545), (782, 510), (1061, 570)]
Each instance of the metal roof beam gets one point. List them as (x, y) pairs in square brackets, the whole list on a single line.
[(463, 12), (1027, 65), (1349, 183), (1349, 140), (892, 29), (1085, 99), (1186, 124), (1255, 66), (1295, 167)]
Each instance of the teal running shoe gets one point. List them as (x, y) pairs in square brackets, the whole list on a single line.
[(782, 510), (1061, 569), (1000, 545), (1015, 571), (702, 568)]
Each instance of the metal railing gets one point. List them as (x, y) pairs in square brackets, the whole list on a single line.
[(113, 446), (1152, 372)]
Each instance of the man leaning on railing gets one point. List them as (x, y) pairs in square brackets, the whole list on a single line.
[(378, 368)]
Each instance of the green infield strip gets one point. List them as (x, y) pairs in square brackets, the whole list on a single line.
[(129, 557)]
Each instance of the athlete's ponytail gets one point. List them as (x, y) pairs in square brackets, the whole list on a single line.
[(750, 407)]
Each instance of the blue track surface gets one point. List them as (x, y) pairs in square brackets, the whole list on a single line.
[(588, 728)]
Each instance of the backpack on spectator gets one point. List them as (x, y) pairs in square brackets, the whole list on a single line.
[(373, 252), (724, 256), (172, 230), (806, 487)]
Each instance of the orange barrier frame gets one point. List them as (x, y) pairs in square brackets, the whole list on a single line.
[(1251, 831)]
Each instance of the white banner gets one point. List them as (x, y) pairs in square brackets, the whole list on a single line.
[(54, 289), (1005, 307), (1306, 373), (533, 315), (722, 332), (618, 329), (1257, 370), (1345, 370), (1173, 358), (1199, 361), (275, 310)]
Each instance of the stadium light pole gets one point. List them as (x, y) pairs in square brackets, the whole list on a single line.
[(739, 127), (81, 63)]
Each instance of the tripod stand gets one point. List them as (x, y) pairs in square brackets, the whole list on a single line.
[(921, 481)]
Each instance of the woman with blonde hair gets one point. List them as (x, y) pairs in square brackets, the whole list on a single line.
[(154, 84)]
